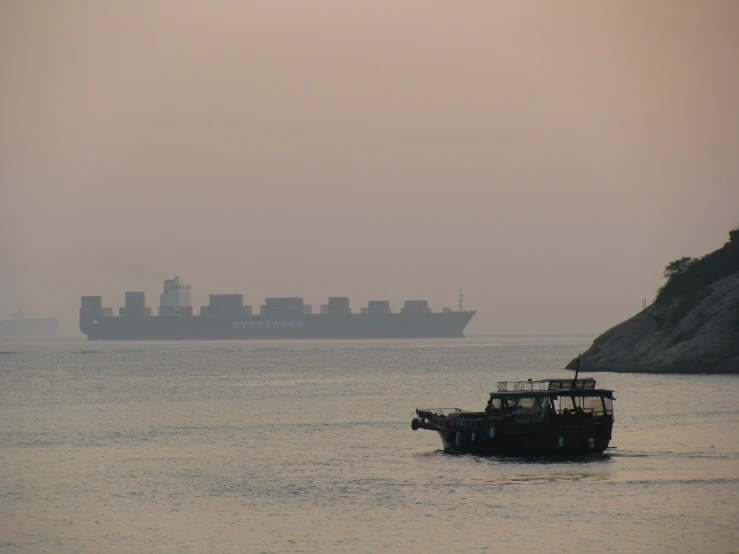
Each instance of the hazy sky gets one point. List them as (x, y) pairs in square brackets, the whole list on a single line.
[(549, 157)]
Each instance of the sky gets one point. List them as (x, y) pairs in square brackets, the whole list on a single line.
[(550, 158)]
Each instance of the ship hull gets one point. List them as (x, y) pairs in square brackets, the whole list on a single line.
[(349, 326), (532, 440)]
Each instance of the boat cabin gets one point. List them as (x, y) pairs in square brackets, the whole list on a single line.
[(549, 400)]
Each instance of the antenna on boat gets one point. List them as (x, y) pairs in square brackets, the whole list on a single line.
[(461, 299), (577, 366)]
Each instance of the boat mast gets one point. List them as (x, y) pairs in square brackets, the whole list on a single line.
[(461, 299)]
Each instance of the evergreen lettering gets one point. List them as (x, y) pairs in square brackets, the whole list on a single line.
[(299, 324)]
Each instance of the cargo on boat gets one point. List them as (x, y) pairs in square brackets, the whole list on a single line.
[(529, 418)]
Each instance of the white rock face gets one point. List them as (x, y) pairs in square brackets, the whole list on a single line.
[(692, 334)]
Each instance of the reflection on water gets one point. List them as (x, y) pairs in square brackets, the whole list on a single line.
[(307, 446), (552, 478)]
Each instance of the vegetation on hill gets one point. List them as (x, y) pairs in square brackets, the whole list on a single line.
[(690, 277), (692, 326)]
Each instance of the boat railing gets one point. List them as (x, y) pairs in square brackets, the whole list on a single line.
[(522, 385), (546, 384), (571, 384), (442, 411), (451, 419), (460, 423)]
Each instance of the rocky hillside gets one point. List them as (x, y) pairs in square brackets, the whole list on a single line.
[(692, 327)]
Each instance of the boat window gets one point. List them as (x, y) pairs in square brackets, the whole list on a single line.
[(608, 402), (526, 403), (505, 404), (584, 404), (531, 408), (590, 404), (564, 403)]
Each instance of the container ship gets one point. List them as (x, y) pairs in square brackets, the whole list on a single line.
[(226, 317)]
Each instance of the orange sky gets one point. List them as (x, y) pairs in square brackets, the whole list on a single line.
[(550, 157)]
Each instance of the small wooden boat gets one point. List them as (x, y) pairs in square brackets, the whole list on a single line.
[(529, 418)]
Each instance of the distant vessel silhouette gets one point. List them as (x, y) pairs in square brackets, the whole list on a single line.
[(22, 327), (226, 317)]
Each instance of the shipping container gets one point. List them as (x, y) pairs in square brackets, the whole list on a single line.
[(284, 307), (92, 307), (339, 305), (226, 305), (416, 307), (135, 299), (379, 307)]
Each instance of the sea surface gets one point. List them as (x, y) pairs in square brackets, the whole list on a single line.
[(215, 447)]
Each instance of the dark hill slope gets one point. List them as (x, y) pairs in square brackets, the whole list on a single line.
[(692, 327)]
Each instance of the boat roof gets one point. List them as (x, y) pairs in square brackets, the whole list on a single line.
[(550, 387), (549, 393)]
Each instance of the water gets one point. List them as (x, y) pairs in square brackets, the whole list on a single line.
[(307, 447)]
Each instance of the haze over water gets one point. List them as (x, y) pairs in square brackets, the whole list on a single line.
[(549, 157), (307, 447)]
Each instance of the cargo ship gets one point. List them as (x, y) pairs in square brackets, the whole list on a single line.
[(226, 317), (21, 327)]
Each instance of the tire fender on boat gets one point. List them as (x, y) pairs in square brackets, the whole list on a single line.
[(415, 424)]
